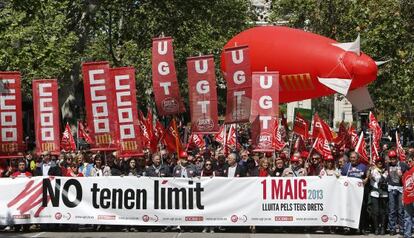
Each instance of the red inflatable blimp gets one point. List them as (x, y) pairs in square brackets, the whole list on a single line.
[(309, 65)]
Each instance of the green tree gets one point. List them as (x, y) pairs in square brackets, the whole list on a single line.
[(50, 39)]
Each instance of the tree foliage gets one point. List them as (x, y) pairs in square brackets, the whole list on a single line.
[(50, 39)]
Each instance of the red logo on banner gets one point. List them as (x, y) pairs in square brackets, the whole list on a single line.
[(46, 115), (126, 110), (99, 102), (265, 106), (164, 78), (239, 84), (203, 94), (11, 128)]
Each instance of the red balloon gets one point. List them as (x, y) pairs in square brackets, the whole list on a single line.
[(301, 57)]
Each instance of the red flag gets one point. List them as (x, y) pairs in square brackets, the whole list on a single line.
[(342, 138), (361, 149), (400, 149), (11, 123), (239, 84), (321, 145), (353, 137), (145, 132), (320, 127), (159, 130), (301, 126), (197, 140), (128, 134), (221, 135), (278, 143), (82, 133), (100, 105), (231, 136), (46, 115), (151, 131), (376, 131), (203, 94), (299, 145), (68, 142), (164, 78), (170, 139)]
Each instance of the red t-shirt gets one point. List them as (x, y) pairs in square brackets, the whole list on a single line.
[(19, 174), (408, 186)]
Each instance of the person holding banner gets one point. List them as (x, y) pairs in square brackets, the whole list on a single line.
[(21, 170), (379, 195), (232, 168), (295, 169), (157, 169), (355, 169), (185, 169), (329, 167)]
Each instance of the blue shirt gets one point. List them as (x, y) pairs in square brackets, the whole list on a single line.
[(358, 171)]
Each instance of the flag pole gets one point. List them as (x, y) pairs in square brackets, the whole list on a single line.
[(370, 147), (77, 135), (176, 136)]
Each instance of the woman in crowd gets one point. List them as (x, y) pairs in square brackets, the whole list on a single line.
[(379, 195), (328, 167), (208, 170), (264, 170), (132, 169)]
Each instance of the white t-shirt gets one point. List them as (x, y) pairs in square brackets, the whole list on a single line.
[(232, 172)]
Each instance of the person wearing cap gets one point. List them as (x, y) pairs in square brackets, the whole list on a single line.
[(396, 169), (379, 195), (295, 169), (328, 167), (185, 169)]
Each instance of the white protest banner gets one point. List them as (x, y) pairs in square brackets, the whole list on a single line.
[(270, 201)]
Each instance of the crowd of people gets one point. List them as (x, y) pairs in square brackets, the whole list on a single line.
[(382, 209)]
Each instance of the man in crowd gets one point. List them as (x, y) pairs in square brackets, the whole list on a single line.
[(157, 169), (396, 169), (295, 169), (47, 166), (355, 169), (232, 168)]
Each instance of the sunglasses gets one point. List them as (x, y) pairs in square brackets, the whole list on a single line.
[(208, 164)]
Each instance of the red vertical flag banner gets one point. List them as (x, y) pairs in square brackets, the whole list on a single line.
[(99, 101), (68, 142), (376, 131), (128, 129), (265, 108), (239, 84), (46, 115), (203, 94), (11, 127), (164, 78)]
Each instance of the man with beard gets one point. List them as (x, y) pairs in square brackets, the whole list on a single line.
[(295, 169)]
